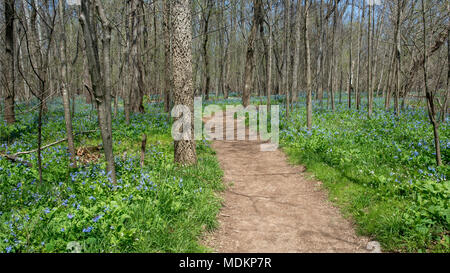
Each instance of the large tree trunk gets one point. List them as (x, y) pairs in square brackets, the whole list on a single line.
[(8, 68), (182, 75)]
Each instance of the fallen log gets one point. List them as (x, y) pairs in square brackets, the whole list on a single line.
[(14, 157)]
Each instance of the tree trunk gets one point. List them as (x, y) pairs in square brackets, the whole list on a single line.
[(320, 62), (429, 94), (398, 57), (182, 74), (206, 75), (65, 93), (332, 58), (269, 56), (358, 70), (308, 67), (167, 67), (8, 67), (287, 53), (369, 66), (248, 69), (297, 56), (98, 84)]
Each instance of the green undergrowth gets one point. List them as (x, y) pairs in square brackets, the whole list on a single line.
[(161, 207), (381, 172)]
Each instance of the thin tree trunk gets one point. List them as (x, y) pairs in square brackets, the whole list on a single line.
[(350, 74), (167, 67), (297, 56), (308, 67), (269, 56), (65, 93), (398, 56), (369, 66), (332, 58), (248, 69), (320, 65), (358, 70), (429, 94)]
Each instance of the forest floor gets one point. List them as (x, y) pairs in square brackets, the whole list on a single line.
[(273, 206)]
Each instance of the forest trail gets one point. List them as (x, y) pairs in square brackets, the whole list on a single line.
[(271, 206)]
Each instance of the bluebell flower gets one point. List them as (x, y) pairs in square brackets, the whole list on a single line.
[(87, 230), (96, 218)]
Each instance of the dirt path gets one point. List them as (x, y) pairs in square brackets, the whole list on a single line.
[(270, 206)]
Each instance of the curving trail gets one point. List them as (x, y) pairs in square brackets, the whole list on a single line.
[(270, 206)]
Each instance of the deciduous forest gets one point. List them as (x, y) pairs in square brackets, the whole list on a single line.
[(87, 96)]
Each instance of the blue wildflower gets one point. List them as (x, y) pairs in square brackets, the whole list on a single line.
[(87, 230)]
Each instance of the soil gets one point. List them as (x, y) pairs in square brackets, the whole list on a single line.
[(271, 206)]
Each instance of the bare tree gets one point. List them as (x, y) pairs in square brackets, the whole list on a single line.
[(248, 72), (429, 94), (65, 92), (358, 70), (350, 61), (167, 67), (206, 15), (8, 67), (308, 66), (102, 97)]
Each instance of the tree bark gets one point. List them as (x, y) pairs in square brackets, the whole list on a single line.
[(350, 61), (248, 69), (167, 67), (8, 67), (65, 93), (308, 67), (184, 150), (358, 70), (98, 84)]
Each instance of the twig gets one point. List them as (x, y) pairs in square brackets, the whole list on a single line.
[(49, 145), (143, 145)]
